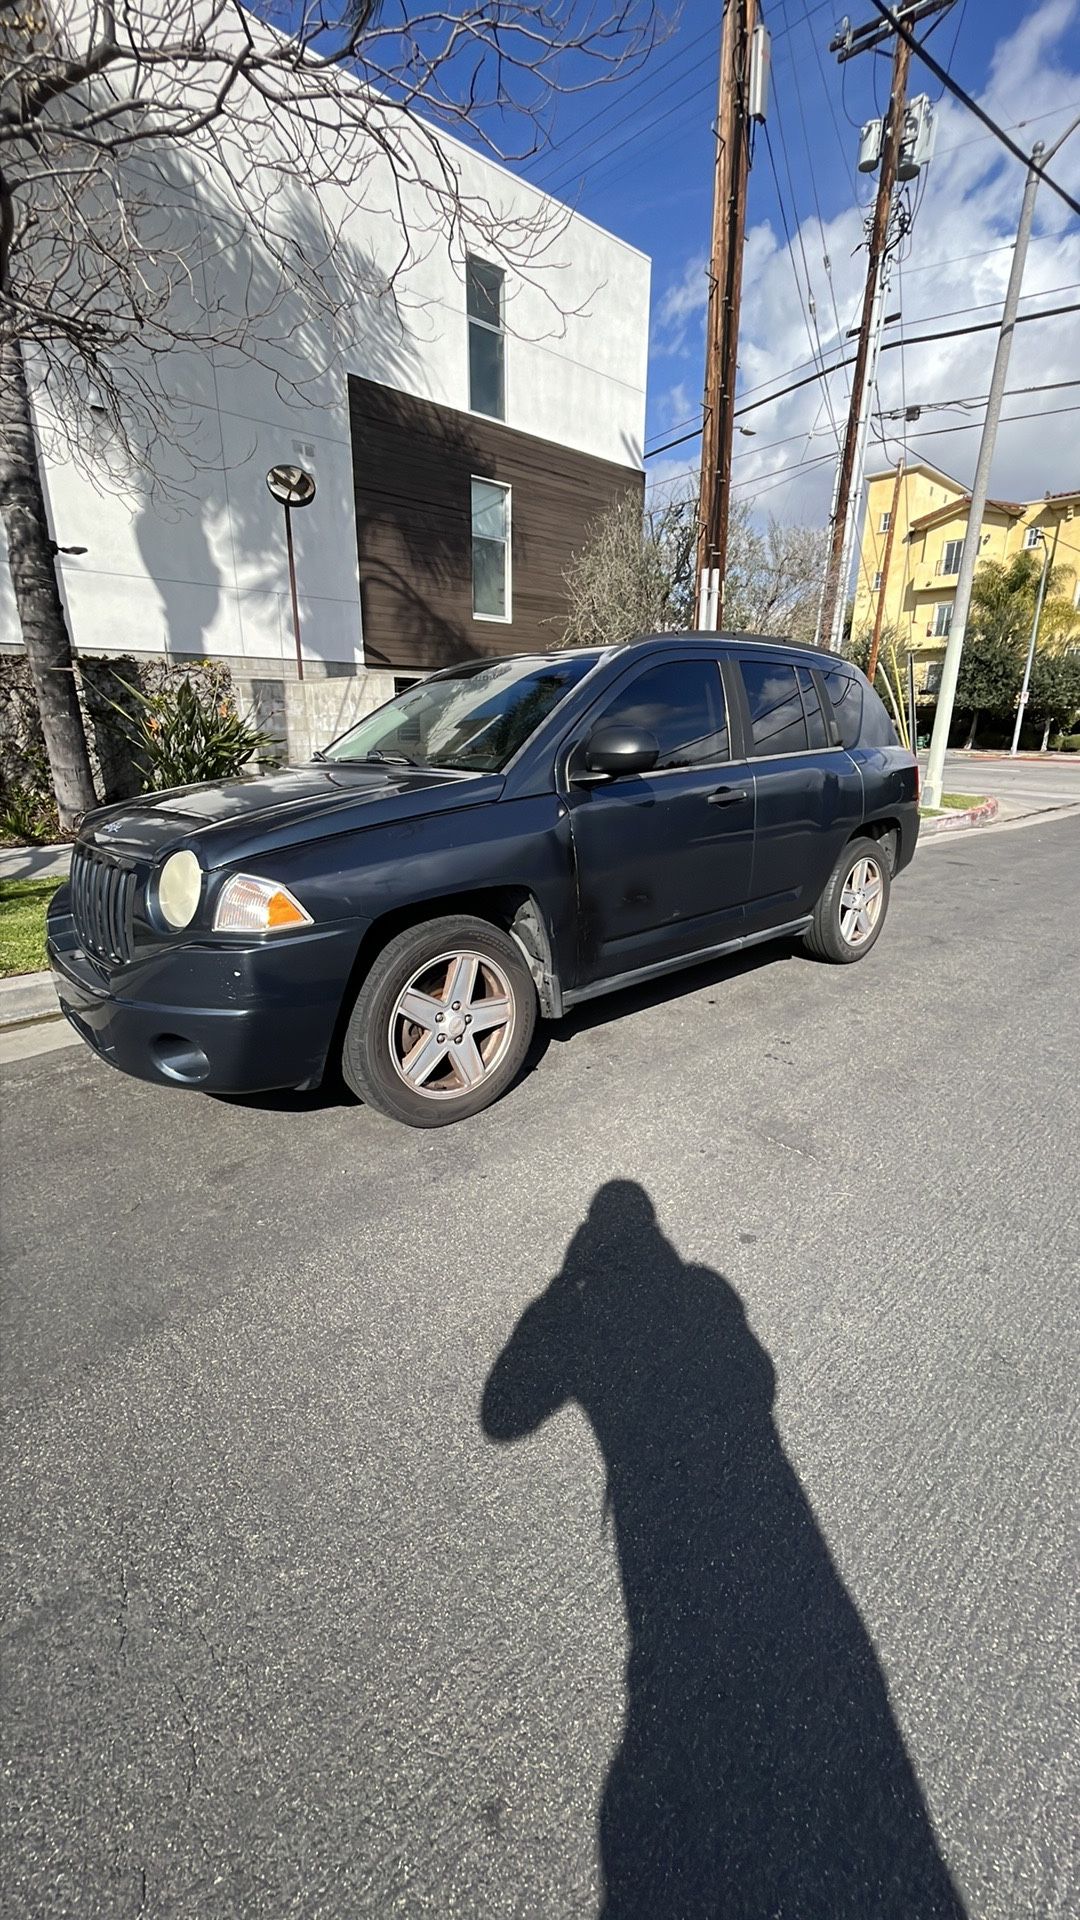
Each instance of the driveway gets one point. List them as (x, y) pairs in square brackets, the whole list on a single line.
[(659, 1482)]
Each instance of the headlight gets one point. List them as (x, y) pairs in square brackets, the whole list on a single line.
[(247, 904), (179, 890)]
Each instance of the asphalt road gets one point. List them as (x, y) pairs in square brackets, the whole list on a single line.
[(1025, 785), (662, 1481)]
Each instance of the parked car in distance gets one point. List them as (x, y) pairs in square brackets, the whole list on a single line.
[(499, 843)]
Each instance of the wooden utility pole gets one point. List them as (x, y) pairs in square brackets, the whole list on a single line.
[(879, 233), (871, 665), (732, 164), (850, 42)]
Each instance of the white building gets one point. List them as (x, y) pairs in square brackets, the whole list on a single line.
[(461, 429)]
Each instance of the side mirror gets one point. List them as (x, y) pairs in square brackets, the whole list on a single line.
[(610, 751)]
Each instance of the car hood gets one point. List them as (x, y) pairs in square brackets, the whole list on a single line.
[(228, 820)]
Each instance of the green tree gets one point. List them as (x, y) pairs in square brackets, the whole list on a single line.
[(1003, 597), (1054, 692), (991, 669)]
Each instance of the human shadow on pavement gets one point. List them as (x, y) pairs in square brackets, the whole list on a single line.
[(761, 1774)]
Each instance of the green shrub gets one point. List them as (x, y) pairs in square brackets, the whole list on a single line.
[(1070, 743), (28, 813), (183, 734)]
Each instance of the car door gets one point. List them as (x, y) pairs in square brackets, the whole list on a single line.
[(807, 791), (664, 858)]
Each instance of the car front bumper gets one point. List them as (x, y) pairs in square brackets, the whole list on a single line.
[(218, 1017)]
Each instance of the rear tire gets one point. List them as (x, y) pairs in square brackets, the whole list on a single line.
[(851, 912), (442, 1023)]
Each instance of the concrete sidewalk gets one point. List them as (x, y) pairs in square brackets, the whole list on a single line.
[(34, 863)]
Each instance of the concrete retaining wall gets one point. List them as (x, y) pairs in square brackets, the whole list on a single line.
[(304, 715)]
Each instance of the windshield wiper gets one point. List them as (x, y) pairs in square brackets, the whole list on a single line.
[(391, 759)]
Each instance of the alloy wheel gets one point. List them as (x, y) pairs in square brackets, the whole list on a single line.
[(861, 901), (451, 1025)]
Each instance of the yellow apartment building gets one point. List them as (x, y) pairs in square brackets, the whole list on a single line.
[(928, 538)]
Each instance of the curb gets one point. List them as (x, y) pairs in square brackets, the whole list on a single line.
[(27, 998), (953, 820)]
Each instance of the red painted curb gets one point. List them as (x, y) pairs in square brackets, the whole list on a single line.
[(954, 819)]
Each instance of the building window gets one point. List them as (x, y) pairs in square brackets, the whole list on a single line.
[(878, 578), (884, 523), (942, 618), (490, 550), (950, 556), (487, 368), (1032, 536)]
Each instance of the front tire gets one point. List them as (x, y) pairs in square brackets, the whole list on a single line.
[(851, 912), (442, 1023)]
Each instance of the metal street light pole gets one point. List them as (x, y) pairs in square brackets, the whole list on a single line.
[(939, 740), (292, 488), (1048, 561), (980, 487)]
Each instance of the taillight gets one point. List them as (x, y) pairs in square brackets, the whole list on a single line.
[(918, 783)]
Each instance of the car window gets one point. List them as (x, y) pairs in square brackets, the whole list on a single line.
[(877, 729), (474, 717), (682, 703), (777, 720), (817, 731), (846, 696)]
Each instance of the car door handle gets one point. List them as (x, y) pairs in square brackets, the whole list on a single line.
[(728, 796)]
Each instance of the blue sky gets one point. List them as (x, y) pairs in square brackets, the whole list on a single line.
[(636, 157)]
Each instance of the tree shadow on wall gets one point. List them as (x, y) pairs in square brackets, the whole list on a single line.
[(219, 416), (761, 1774)]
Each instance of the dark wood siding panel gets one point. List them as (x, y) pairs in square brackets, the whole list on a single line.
[(412, 465)]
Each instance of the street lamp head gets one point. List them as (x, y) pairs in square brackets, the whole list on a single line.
[(292, 486)]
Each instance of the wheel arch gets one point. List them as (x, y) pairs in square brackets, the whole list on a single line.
[(886, 832), (516, 910)]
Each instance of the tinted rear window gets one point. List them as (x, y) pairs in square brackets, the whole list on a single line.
[(777, 719), (815, 719), (847, 700), (877, 726), (862, 718)]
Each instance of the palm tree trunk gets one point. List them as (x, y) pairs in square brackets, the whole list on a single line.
[(32, 560)]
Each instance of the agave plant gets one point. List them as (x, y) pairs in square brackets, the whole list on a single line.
[(182, 736)]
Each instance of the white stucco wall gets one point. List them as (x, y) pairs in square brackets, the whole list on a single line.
[(198, 565)]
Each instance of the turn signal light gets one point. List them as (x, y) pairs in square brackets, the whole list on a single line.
[(247, 904)]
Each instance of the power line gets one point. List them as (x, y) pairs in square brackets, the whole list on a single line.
[(1014, 126), (557, 187), (972, 426), (827, 91), (887, 346), (973, 106), (973, 400), (809, 318), (560, 168), (701, 93)]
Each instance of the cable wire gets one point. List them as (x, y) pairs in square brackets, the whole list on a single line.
[(960, 93)]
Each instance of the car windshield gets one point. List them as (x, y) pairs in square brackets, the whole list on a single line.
[(472, 719)]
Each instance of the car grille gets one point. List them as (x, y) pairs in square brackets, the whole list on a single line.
[(102, 895)]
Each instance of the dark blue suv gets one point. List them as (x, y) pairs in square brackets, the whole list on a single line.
[(505, 840)]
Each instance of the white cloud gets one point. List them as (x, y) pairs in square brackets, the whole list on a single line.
[(957, 258), (678, 406), (683, 302)]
